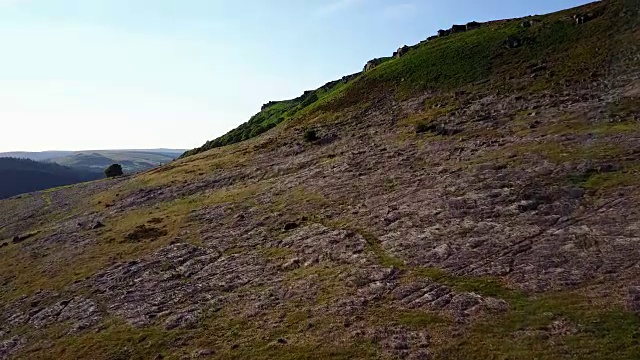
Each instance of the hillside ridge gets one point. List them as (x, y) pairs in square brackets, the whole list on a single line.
[(275, 112)]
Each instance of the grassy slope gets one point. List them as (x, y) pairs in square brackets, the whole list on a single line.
[(272, 114), (462, 61)]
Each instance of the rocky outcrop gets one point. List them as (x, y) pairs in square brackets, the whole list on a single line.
[(513, 42), (473, 25), (458, 29), (580, 19), (371, 64), (401, 51)]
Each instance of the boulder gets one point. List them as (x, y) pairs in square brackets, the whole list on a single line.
[(458, 28), (371, 64), (583, 18), (473, 25), (443, 33), (291, 264), (401, 51), (431, 38), (514, 42)]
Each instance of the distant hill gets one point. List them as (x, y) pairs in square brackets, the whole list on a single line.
[(132, 161), (18, 176)]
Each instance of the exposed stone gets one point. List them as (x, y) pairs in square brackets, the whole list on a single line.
[(562, 327), (458, 29), (291, 264), (514, 42), (10, 346), (473, 25), (437, 129), (203, 353), (580, 19), (371, 64), (401, 51)]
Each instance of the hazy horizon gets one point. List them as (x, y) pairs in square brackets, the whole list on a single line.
[(79, 74)]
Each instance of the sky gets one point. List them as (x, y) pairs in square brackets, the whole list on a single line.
[(134, 74)]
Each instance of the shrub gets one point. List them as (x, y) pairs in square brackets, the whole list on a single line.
[(310, 135), (113, 171), (423, 128)]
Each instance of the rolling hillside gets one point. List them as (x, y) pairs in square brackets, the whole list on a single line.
[(132, 161), (474, 197)]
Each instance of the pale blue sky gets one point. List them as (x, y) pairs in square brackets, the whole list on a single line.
[(104, 74)]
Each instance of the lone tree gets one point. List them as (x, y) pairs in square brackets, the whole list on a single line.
[(113, 171)]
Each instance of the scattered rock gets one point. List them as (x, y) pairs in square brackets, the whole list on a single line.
[(9, 347), (575, 193), (562, 327), (4, 244), (185, 319), (529, 23), (203, 353), (436, 129), (528, 205), (580, 19), (97, 225), (291, 264)]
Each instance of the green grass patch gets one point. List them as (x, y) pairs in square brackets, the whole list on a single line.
[(419, 319), (384, 258)]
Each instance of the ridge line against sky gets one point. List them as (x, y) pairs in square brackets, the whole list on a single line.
[(87, 74)]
